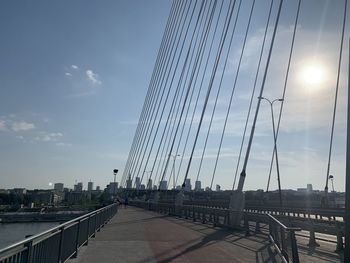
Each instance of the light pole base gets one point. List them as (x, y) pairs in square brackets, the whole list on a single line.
[(236, 207), (156, 197), (179, 201)]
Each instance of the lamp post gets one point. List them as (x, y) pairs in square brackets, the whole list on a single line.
[(115, 171), (275, 144), (331, 177), (173, 169)]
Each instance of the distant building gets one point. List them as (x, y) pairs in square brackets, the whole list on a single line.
[(4, 191), (207, 189), (98, 188), (155, 187), (112, 188), (149, 184), (309, 188), (142, 187), (19, 191), (163, 185), (198, 186), (218, 188), (129, 182), (78, 187), (137, 182), (90, 186), (58, 187), (77, 197), (188, 186)]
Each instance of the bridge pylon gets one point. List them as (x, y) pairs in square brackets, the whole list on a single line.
[(236, 207)]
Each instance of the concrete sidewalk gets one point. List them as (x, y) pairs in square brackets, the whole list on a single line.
[(136, 235)]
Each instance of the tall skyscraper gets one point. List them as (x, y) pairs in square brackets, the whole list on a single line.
[(188, 186), (138, 182), (198, 186), (90, 186), (129, 182), (163, 185), (149, 184)]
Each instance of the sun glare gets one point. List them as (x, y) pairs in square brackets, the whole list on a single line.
[(313, 75)]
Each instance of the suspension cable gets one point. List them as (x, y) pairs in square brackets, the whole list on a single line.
[(253, 93), (232, 92), (284, 90), (200, 89), (336, 97)]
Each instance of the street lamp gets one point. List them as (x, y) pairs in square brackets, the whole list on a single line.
[(275, 144), (331, 177), (115, 171), (173, 169)]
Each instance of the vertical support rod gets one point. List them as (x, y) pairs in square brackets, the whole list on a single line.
[(347, 179), (276, 155), (60, 250)]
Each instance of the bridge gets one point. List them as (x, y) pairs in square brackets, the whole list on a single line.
[(160, 232), (222, 69), (222, 102)]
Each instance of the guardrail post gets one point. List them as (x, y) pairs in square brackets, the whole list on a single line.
[(87, 232), (77, 241), (29, 247), (246, 226), (257, 227), (340, 243), (312, 239), (204, 216), (295, 254), (60, 250), (95, 225)]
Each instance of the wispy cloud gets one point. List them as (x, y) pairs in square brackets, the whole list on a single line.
[(63, 144), (48, 137), (2, 125), (93, 77), (83, 82), (22, 126)]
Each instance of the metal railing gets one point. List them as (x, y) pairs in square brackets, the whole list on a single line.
[(60, 243), (284, 239)]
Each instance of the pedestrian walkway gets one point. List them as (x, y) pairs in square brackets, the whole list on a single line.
[(136, 235), (141, 236)]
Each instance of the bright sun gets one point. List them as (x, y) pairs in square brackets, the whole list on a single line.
[(313, 75)]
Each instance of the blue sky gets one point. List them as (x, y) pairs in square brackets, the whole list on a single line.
[(73, 79), (74, 76)]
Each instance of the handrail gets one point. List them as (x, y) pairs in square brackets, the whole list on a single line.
[(59, 243), (53, 229), (282, 225), (284, 240)]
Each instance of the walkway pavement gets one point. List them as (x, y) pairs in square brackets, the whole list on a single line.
[(136, 235)]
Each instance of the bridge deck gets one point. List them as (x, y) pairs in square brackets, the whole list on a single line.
[(136, 235)]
